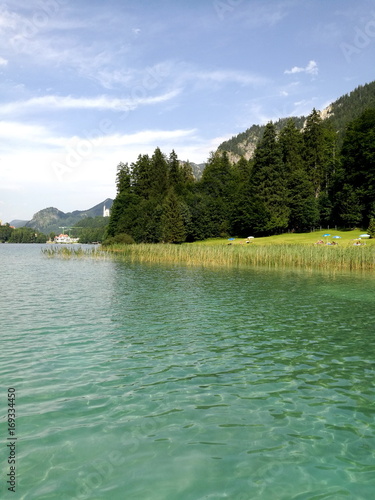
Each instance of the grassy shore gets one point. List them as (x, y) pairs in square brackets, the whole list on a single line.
[(282, 251), (347, 238)]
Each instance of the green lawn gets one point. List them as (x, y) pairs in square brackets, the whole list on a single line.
[(348, 238)]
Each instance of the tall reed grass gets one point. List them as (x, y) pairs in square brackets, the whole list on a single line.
[(277, 256), (333, 258), (67, 252)]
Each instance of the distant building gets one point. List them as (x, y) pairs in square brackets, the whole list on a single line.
[(106, 212), (65, 238)]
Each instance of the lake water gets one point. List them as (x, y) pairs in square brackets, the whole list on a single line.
[(173, 383)]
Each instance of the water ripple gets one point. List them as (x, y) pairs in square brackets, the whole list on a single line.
[(170, 383)]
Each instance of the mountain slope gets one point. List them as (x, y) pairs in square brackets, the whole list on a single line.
[(53, 220), (18, 223), (345, 109)]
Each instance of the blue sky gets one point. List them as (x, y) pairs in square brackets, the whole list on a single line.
[(87, 84)]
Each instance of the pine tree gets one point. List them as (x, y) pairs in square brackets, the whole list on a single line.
[(172, 220), (358, 164), (313, 138), (241, 216), (301, 200), (243, 168), (174, 169), (269, 186), (217, 176), (141, 176), (123, 178), (159, 174), (217, 185), (123, 184)]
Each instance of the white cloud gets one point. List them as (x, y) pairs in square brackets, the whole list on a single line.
[(84, 167), (38, 140), (3, 62), (303, 107), (46, 33), (21, 132), (301, 103), (224, 76), (310, 69), (111, 79), (102, 102), (9, 21), (176, 73), (145, 137), (83, 149), (148, 77), (258, 114), (188, 73)]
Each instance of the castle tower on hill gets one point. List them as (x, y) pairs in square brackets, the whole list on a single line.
[(106, 212)]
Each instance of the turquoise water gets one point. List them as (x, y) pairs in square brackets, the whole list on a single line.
[(173, 383)]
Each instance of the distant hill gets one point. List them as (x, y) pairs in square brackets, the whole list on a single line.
[(53, 220), (96, 211), (18, 223), (339, 113)]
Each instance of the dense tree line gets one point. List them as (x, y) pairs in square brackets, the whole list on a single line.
[(350, 106), (91, 229), (9, 234), (296, 180)]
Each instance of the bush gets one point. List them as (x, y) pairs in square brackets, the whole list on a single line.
[(122, 239)]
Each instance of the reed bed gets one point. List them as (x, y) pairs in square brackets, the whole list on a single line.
[(277, 256), (332, 258), (78, 252)]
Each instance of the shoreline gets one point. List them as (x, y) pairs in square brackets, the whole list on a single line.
[(330, 258)]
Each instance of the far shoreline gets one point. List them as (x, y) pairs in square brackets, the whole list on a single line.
[(274, 252)]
